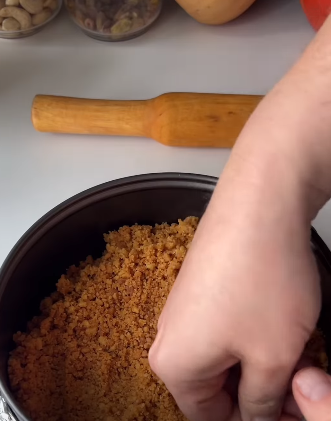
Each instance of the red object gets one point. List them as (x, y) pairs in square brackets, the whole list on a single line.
[(316, 11)]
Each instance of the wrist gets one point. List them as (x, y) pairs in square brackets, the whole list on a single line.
[(287, 142), (285, 175), (261, 195)]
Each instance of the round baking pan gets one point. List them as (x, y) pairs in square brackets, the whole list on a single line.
[(73, 230)]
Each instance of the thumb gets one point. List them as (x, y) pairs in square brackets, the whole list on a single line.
[(312, 392)]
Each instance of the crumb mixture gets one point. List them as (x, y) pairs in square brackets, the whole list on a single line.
[(85, 357), (316, 350)]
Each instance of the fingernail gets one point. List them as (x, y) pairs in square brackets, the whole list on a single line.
[(314, 384)]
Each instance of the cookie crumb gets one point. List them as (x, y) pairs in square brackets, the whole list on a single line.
[(85, 357)]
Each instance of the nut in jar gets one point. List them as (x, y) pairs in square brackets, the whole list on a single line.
[(114, 20), (19, 18)]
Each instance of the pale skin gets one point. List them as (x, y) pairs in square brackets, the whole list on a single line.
[(248, 291)]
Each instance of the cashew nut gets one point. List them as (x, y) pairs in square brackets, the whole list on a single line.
[(11, 24), (12, 2), (32, 6), (51, 4), (41, 17), (1, 20), (22, 16)]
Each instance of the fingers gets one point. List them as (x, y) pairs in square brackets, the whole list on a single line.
[(199, 392), (312, 392), (204, 402), (304, 362), (261, 392)]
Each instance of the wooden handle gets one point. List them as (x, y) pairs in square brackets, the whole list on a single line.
[(58, 114), (174, 119)]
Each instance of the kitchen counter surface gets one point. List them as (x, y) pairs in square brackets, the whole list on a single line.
[(38, 171)]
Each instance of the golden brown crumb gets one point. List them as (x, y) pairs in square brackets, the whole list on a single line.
[(316, 350), (85, 357)]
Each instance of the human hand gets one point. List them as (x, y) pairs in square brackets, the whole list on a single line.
[(312, 391), (247, 293)]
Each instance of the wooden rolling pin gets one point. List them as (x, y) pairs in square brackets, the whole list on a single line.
[(174, 119)]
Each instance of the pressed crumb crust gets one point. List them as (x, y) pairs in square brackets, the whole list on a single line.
[(85, 357)]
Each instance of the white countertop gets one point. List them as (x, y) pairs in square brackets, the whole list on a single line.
[(38, 171)]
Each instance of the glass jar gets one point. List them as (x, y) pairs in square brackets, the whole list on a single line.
[(114, 20), (22, 18)]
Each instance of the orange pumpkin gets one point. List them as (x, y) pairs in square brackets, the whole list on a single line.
[(215, 12), (316, 11)]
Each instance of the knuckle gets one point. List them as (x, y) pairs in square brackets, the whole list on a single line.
[(264, 406), (170, 364), (266, 403), (154, 359), (273, 361), (160, 362)]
